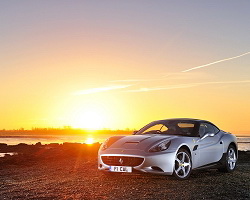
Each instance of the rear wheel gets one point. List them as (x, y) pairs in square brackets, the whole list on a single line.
[(230, 161), (183, 164)]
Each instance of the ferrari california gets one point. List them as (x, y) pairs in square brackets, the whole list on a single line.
[(170, 147)]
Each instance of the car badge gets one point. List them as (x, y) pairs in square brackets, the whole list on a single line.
[(120, 161)]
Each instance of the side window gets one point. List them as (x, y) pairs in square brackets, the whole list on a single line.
[(186, 128), (206, 128), (216, 130), (202, 130), (210, 128)]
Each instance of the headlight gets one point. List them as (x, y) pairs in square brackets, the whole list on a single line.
[(110, 141), (160, 147), (105, 145)]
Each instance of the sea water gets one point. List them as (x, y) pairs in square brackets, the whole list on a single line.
[(243, 142)]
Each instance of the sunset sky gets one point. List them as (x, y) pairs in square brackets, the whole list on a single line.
[(122, 64)]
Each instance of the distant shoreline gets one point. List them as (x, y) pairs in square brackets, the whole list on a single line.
[(77, 135), (243, 142), (78, 132)]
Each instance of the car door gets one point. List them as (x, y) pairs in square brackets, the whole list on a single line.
[(210, 148)]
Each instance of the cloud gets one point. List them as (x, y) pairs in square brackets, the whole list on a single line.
[(166, 76), (129, 80), (181, 86), (212, 63), (138, 80), (100, 89), (162, 88)]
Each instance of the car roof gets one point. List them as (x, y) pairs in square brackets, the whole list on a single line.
[(185, 119)]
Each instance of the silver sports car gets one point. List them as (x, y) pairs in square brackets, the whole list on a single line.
[(170, 147)]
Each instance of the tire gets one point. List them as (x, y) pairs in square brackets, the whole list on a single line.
[(230, 162), (183, 164)]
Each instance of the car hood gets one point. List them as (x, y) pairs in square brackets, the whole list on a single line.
[(137, 141)]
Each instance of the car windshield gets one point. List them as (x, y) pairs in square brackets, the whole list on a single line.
[(169, 128)]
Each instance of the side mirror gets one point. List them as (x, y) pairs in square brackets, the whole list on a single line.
[(134, 133), (210, 134), (207, 135)]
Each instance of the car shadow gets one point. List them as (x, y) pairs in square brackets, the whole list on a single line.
[(195, 175)]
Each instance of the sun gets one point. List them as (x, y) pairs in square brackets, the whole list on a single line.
[(91, 119), (89, 141)]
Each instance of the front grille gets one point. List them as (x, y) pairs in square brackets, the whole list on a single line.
[(122, 161)]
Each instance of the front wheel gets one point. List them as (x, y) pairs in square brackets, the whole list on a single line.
[(231, 160), (183, 164)]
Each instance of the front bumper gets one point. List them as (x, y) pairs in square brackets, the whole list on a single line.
[(157, 163)]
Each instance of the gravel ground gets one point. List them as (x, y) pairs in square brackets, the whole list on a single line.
[(78, 178)]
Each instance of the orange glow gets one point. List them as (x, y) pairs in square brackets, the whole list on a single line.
[(118, 70)]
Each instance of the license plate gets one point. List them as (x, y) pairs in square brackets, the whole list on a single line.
[(120, 169)]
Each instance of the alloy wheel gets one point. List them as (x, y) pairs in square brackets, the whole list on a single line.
[(231, 159), (182, 166)]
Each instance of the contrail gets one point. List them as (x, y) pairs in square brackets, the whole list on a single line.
[(116, 87), (101, 89), (181, 86), (219, 61)]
